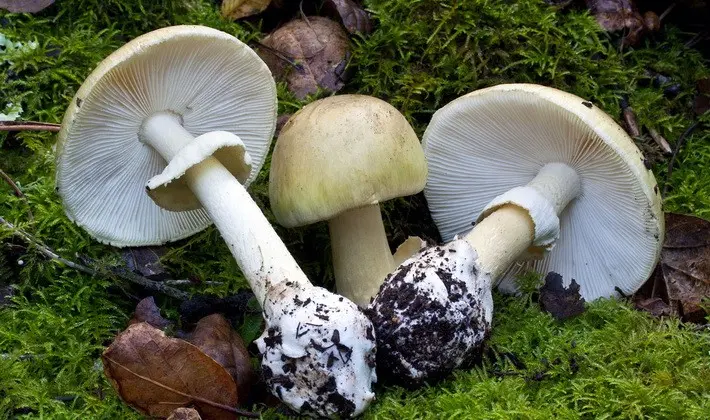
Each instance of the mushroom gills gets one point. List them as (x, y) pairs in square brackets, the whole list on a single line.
[(524, 221)]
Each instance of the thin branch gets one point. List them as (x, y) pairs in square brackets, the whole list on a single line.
[(123, 274), (660, 141), (28, 126), (308, 22), (667, 11), (18, 192), (184, 282), (278, 54), (678, 145)]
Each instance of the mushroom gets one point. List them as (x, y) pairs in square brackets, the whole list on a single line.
[(186, 114), (336, 159), (549, 180)]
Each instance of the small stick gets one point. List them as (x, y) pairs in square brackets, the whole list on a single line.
[(28, 126), (281, 56), (123, 274), (660, 141), (183, 282), (667, 11), (308, 22), (17, 191), (632, 126), (678, 145)]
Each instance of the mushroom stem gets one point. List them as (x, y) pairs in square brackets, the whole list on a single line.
[(501, 238), (504, 235), (361, 254), (260, 253), (559, 183)]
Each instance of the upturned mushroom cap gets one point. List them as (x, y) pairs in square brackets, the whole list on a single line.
[(490, 141), (340, 153), (208, 79)]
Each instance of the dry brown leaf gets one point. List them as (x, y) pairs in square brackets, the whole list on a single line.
[(617, 15), (215, 337), (148, 311), (25, 6), (307, 54), (145, 260), (156, 374), (655, 306), (682, 277), (354, 18), (183, 413), (237, 9), (559, 301)]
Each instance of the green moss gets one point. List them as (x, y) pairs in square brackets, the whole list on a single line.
[(613, 361)]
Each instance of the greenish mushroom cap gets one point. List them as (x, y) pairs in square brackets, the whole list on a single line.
[(340, 153)]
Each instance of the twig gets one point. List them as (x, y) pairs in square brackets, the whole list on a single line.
[(281, 56), (308, 22), (183, 282), (667, 11), (28, 126), (18, 192), (122, 274), (678, 145), (660, 141), (695, 39), (632, 126)]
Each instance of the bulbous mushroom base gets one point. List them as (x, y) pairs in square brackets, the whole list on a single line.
[(318, 351), (431, 314)]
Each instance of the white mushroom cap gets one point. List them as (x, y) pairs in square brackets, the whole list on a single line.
[(209, 79), (490, 141)]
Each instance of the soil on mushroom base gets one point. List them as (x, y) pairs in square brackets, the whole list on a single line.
[(416, 332)]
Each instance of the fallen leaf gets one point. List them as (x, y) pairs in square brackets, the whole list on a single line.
[(682, 278), (25, 6), (307, 54), (156, 374), (148, 311), (183, 413), (560, 302), (215, 337), (618, 15), (354, 18), (685, 263), (145, 260), (655, 306), (237, 9)]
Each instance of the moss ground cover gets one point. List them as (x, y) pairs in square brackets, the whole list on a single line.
[(610, 362)]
